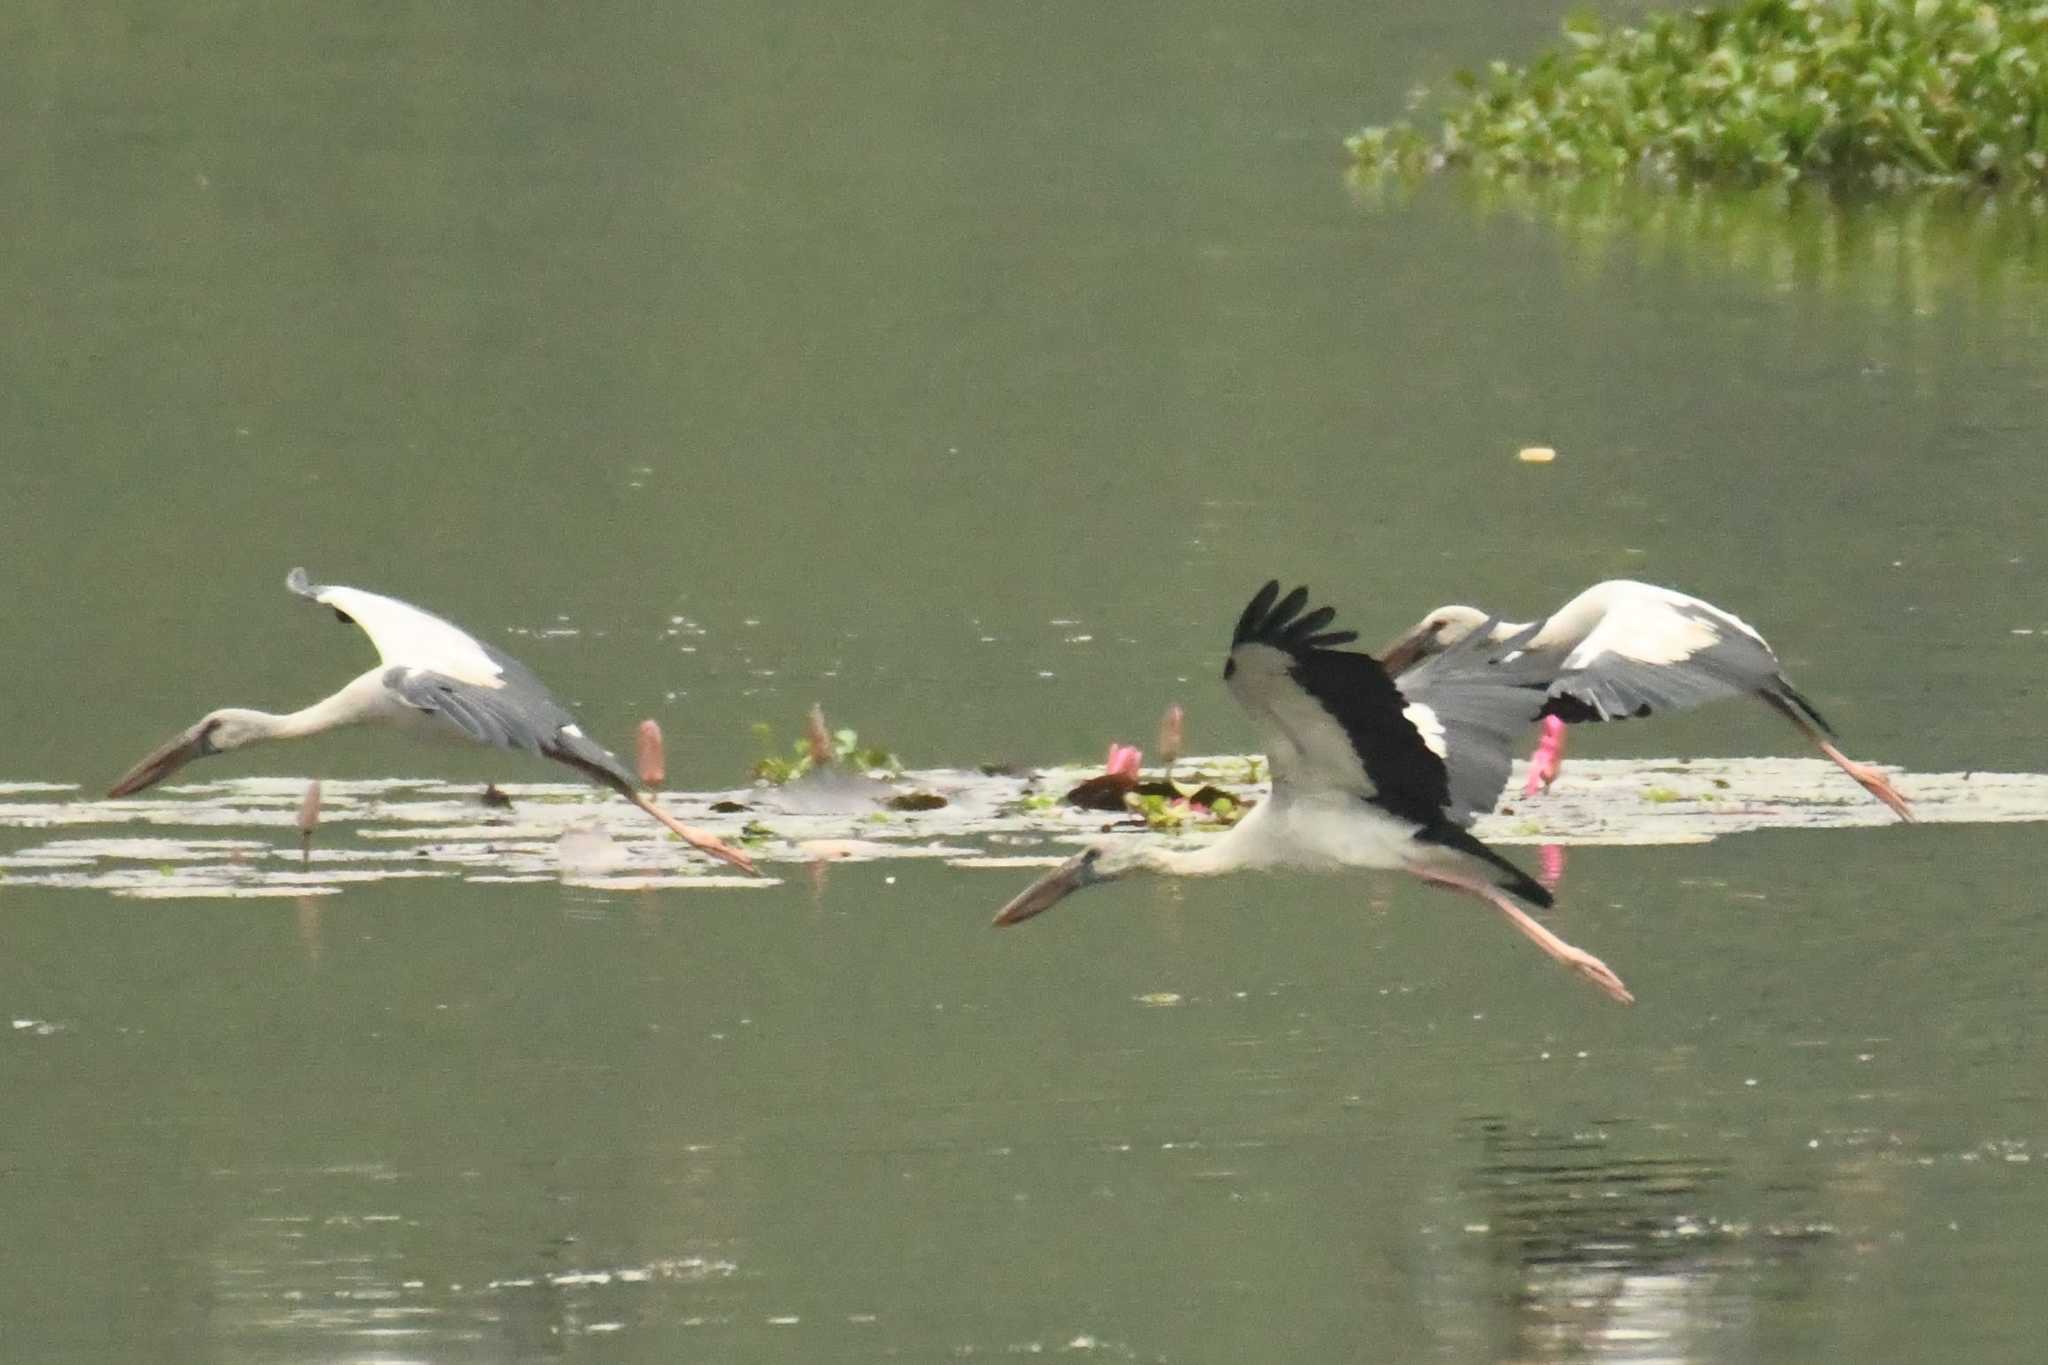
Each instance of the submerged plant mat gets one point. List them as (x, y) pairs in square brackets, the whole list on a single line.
[(239, 838)]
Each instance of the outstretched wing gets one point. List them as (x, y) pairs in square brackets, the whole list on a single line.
[(1330, 719), (439, 668), (1478, 699), (1658, 650), (510, 718), (407, 637)]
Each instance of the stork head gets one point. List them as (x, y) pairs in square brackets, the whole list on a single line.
[(1093, 865), (216, 733), (1433, 634)]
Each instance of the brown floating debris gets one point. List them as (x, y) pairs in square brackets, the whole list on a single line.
[(1105, 792), (309, 818), (916, 801), (1119, 778), (653, 763)]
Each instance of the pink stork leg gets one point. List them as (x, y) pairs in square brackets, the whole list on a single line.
[(1580, 961), (1548, 758), (1869, 778), (1866, 776), (696, 838)]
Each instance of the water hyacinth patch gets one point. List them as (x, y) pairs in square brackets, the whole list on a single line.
[(1888, 93), (841, 748)]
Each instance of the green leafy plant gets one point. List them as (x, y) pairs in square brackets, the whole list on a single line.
[(845, 751), (1218, 811), (1879, 92)]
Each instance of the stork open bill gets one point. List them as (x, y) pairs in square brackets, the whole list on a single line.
[(1622, 649), (434, 680), (1367, 772)]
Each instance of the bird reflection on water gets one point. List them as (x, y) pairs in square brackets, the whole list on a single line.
[(1593, 1250)]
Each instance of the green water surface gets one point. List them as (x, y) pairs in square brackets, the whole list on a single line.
[(964, 368)]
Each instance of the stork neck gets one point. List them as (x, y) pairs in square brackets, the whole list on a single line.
[(1571, 623), (352, 705), (1207, 861), (1508, 630)]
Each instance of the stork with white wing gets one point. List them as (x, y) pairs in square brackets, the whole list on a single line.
[(434, 681)]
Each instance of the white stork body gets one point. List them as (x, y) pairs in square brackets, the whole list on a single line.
[(435, 681), (1622, 649), (1366, 774)]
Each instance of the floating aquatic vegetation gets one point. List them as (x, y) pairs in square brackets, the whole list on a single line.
[(1164, 804), (1885, 93), (1178, 807), (658, 882), (1109, 789), (173, 891), (820, 748), (871, 850), (239, 838)]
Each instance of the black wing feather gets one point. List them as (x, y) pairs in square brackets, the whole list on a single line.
[(1408, 779)]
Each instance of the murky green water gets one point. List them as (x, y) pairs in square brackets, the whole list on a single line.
[(964, 369)]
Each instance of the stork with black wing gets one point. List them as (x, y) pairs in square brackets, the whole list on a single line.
[(1367, 772)]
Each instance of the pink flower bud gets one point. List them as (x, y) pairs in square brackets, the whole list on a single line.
[(653, 762)]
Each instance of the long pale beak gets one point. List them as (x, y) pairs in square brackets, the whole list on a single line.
[(173, 754), (1049, 890), (1402, 652)]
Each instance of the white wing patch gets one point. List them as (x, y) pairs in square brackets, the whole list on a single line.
[(1304, 744), (1428, 726), (1649, 631), (407, 637)]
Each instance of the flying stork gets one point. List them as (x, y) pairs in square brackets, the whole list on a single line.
[(1622, 649), (434, 680), (1367, 772)]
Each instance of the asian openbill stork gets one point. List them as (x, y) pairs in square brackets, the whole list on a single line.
[(1622, 649), (1367, 773), (434, 680)]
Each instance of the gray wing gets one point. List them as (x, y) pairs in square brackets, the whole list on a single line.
[(1474, 704), (1666, 652), (519, 715)]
